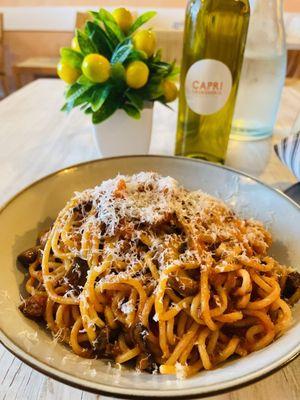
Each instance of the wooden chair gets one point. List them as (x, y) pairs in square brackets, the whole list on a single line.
[(2, 67), (81, 18), (43, 66), (293, 65), (35, 66)]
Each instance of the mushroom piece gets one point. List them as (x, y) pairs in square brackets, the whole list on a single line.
[(292, 285), (34, 306), (28, 257), (77, 274)]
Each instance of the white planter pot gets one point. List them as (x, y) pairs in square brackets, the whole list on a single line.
[(123, 135)]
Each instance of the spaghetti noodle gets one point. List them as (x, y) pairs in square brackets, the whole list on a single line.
[(141, 270)]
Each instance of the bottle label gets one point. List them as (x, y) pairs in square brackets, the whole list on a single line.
[(207, 86)]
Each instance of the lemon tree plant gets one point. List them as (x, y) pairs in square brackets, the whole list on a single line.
[(113, 64)]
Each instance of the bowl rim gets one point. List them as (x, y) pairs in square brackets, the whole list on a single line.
[(124, 393), (98, 387)]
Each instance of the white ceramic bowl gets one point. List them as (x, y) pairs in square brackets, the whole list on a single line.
[(31, 210)]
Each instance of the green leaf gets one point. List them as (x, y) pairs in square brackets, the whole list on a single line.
[(105, 16), (84, 81), (153, 90), (64, 108), (99, 97), (72, 89), (85, 43), (141, 20), (112, 37), (117, 72), (174, 72), (72, 57), (99, 38), (160, 69), (115, 29), (137, 55), (161, 65), (84, 99), (157, 55), (135, 99), (121, 52), (110, 105), (173, 66), (88, 110), (112, 28), (84, 106), (95, 15), (131, 111), (78, 93)]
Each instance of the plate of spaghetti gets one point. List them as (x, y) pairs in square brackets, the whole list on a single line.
[(151, 276)]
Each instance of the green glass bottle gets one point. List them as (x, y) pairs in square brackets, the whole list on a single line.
[(214, 43)]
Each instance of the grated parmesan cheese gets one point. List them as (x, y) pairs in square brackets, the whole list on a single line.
[(146, 198), (127, 307), (130, 208)]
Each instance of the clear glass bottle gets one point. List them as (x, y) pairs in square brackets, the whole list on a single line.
[(263, 72), (214, 43)]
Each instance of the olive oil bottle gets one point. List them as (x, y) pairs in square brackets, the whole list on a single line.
[(214, 43)]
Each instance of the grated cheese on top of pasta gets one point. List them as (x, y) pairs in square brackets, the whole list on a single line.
[(133, 204), (140, 268)]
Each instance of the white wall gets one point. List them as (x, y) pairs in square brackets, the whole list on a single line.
[(63, 19)]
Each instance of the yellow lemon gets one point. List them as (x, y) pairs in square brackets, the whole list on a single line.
[(170, 91), (75, 44), (67, 73), (145, 41), (123, 18), (137, 74), (96, 68)]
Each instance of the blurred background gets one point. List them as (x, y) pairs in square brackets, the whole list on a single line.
[(32, 31)]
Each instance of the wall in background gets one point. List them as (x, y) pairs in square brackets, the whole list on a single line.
[(20, 45), (63, 18), (290, 5), (96, 3), (41, 31), (41, 27)]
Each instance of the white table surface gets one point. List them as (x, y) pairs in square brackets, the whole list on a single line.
[(37, 139)]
